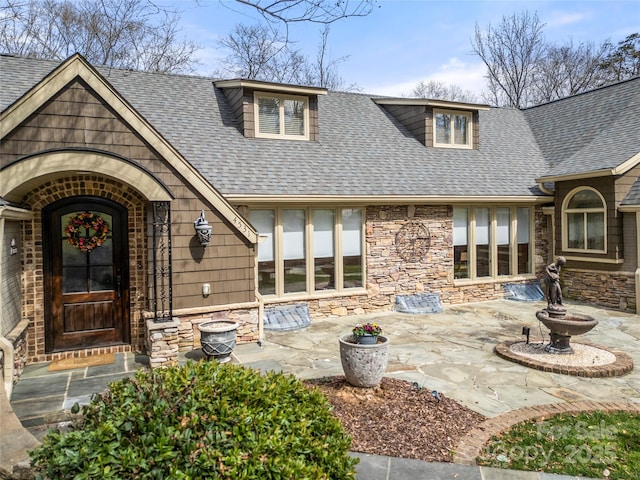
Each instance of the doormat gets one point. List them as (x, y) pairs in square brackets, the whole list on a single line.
[(92, 361)]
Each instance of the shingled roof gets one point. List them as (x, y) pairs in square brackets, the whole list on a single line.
[(362, 150), (594, 131)]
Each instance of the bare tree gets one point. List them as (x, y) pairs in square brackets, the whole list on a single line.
[(567, 69), (262, 53), (132, 34), (624, 61), (511, 51), (436, 90), (323, 71), (259, 52), (314, 11)]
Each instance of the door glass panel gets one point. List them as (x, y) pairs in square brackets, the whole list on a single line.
[(524, 265), (74, 279), (101, 278), (104, 254), (87, 252)]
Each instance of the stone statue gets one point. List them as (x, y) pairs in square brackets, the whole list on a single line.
[(552, 281)]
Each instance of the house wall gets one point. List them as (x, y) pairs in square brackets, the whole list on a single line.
[(242, 105), (607, 280), (418, 119), (388, 275), (615, 244), (10, 275), (76, 118)]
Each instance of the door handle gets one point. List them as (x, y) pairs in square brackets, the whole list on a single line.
[(118, 285)]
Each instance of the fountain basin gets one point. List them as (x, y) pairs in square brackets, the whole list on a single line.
[(568, 325), (563, 326)]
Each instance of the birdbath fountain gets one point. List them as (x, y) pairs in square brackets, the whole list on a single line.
[(562, 325)]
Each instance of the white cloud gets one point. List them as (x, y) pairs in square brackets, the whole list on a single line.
[(468, 76), (560, 19)]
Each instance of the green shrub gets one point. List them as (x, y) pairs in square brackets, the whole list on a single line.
[(202, 420)]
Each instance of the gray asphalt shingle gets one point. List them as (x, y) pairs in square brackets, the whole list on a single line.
[(361, 149)]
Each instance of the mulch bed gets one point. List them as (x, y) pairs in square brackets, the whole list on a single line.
[(398, 418)]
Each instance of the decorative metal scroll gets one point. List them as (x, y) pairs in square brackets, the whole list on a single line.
[(162, 301), (413, 241)]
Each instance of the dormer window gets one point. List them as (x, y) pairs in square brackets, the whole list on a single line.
[(452, 128), (281, 116)]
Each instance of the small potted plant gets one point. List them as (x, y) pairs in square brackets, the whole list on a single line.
[(364, 362), (367, 334)]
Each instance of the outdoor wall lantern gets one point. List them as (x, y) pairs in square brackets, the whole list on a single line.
[(203, 230)]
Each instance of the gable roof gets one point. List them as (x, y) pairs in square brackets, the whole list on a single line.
[(364, 154), (33, 94), (591, 134)]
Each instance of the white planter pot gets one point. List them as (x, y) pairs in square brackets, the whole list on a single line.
[(364, 365)]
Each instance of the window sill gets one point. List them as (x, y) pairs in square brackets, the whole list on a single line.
[(463, 282), (292, 297)]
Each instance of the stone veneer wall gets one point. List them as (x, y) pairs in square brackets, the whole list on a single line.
[(389, 275), (615, 290), (166, 339)]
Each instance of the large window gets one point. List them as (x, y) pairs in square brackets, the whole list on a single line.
[(280, 116), (584, 221), (491, 242), (452, 129), (306, 250)]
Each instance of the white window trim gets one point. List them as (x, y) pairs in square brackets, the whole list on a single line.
[(282, 135), (469, 144), (566, 211), (493, 246), (309, 259)]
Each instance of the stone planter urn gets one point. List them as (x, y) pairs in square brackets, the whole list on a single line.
[(218, 339), (364, 365)]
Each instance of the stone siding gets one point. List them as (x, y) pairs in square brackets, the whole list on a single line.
[(610, 289), (388, 274), (166, 339)]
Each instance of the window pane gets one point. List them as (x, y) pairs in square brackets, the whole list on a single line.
[(524, 265), (72, 255), (101, 278), (74, 279), (352, 247), (460, 242), (323, 241), (482, 242), (263, 222), (460, 131), (293, 247), (102, 255), (585, 199), (269, 115), (575, 233), (503, 234), (294, 117), (443, 128), (595, 231)]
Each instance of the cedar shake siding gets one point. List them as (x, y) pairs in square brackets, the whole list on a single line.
[(76, 119)]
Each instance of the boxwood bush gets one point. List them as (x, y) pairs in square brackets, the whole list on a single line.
[(201, 420)]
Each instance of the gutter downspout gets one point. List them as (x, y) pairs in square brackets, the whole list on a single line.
[(545, 189)]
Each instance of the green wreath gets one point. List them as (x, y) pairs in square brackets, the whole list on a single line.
[(90, 221)]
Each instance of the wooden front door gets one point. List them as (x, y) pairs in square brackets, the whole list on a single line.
[(86, 274)]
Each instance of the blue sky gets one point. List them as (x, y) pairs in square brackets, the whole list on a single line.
[(405, 41)]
